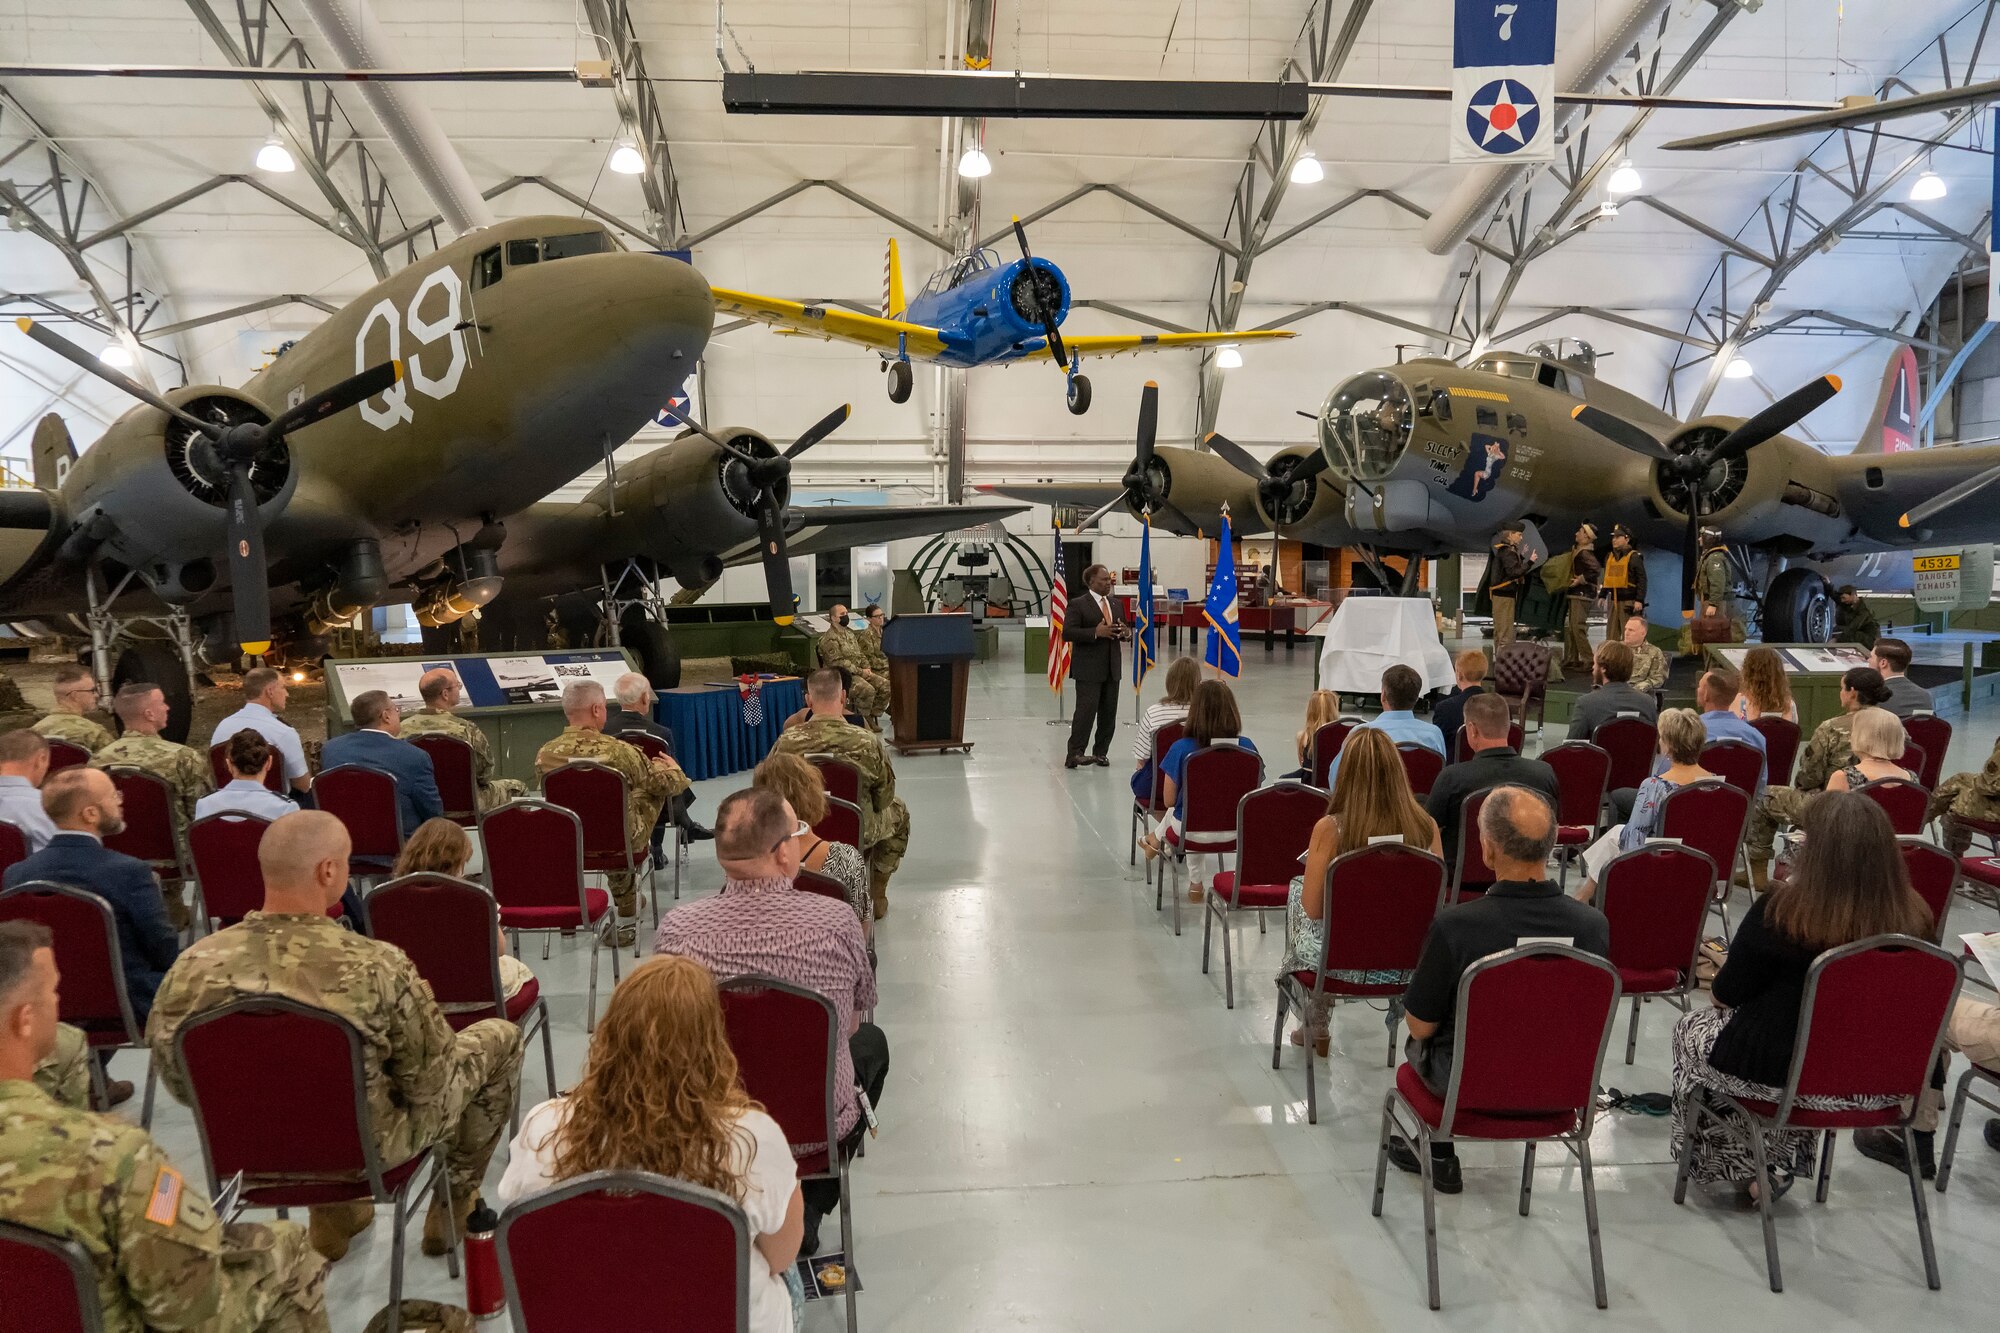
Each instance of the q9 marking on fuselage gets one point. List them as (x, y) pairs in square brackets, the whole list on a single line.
[(424, 330)]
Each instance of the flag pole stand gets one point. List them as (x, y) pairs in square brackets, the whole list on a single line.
[(1059, 720)]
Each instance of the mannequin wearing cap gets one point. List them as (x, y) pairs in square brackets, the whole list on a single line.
[(1507, 577), (1585, 573), (1624, 580)]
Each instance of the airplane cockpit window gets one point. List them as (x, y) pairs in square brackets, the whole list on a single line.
[(1512, 367), (521, 252), (1366, 425), (961, 271), (1552, 377), (580, 243), (486, 268)]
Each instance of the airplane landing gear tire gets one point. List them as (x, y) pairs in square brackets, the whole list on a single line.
[(1799, 608), (659, 660), (1078, 396), (160, 664), (901, 380)]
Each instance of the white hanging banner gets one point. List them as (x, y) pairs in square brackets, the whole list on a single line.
[(1503, 81)]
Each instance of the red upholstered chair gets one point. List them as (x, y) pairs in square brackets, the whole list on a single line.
[(223, 849), (1656, 898), (840, 823), (1870, 1024), (1781, 748), (1906, 803), (1709, 816), (694, 1241), (450, 928), (51, 1276), (66, 754), (1216, 778), (1151, 807), (1421, 765), (1274, 826), (811, 881), (218, 768), (13, 845), (1325, 747), (92, 965), (1521, 677), (534, 865), (1583, 775), (308, 1137), (1933, 734), (1914, 758), (454, 763), (149, 832), (1934, 875), (1632, 743), (1471, 874), (841, 779), (783, 1037), (646, 743), (1517, 737), (1532, 1027), (364, 800), (1378, 907), (1738, 763), (1977, 1074), (596, 793), (1981, 870)]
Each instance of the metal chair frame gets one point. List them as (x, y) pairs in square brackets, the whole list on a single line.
[(643, 859), (395, 814), (431, 740), (1215, 907), (1682, 995), (1163, 740), (1176, 855), (600, 934), (180, 869), (72, 1256), (219, 817), (1975, 1075)]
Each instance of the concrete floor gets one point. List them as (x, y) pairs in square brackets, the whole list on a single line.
[(1077, 1135)]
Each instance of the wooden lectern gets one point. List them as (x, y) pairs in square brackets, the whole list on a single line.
[(930, 658)]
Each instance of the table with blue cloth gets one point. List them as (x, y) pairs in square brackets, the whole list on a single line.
[(710, 736)]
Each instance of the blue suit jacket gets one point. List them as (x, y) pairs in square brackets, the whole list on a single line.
[(416, 781), (146, 943)]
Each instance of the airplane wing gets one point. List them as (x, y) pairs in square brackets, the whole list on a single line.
[(819, 528), (832, 323), (1121, 344), (1088, 496)]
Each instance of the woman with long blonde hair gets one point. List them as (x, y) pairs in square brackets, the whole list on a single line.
[(660, 1093), (1371, 799), (1322, 707)]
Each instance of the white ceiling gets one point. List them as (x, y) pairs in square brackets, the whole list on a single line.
[(144, 141)]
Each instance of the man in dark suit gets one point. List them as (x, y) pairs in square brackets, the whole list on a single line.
[(1094, 632), (85, 808), (1494, 763), (1613, 696), (375, 745)]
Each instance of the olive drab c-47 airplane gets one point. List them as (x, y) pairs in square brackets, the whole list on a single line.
[(975, 311), (1429, 457), (378, 458)]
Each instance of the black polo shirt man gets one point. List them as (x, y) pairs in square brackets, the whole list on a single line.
[(1517, 831), (1493, 764)]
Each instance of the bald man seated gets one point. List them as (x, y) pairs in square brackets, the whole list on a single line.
[(425, 1083), (442, 692)]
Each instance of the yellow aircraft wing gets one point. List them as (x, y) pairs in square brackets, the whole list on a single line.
[(1122, 344), (833, 323)]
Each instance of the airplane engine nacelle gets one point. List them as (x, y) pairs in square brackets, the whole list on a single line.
[(1397, 514), (165, 493), (1753, 499), (688, 501)]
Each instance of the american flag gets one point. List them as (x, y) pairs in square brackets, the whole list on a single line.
[(1058, 610)]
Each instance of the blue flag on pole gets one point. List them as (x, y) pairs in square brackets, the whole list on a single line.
[(1225, 638), (1144, 643)]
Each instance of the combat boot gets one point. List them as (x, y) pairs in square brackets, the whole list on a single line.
[(331, 1226), (878, 890), (436, 1240)]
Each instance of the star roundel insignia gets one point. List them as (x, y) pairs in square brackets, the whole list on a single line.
[(1502, 117)]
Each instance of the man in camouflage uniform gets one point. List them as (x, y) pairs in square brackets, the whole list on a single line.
[(441, 689), (873, 656), (142, 710), (867, 689), (1715, 585), (885, 821), (163, 1259), (1649, 664), (76, 695), (1965, 796), (648, 783), (425, 1085), (1826, 752), (64, 1073)]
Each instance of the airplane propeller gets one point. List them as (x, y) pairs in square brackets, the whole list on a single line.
[(1056, 348), (238, 448), (1693, 467), (1276, 482), (1139, 488), (767, 474)]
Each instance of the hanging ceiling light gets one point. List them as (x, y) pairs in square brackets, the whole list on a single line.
[(274, 156), (1228, 357), (1625, 178), (1307, 170), (625, 159), (1927, 188), (974, 164), (116, 354), (1738, 369)]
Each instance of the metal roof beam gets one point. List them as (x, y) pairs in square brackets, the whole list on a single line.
[(639, 111)]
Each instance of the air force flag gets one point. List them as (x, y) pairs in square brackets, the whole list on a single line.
[(1503, 81)]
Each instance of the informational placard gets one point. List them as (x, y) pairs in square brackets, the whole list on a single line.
[(1828, 659), (398, 679), (542, 677), (1503, 81), (1936, 577)]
